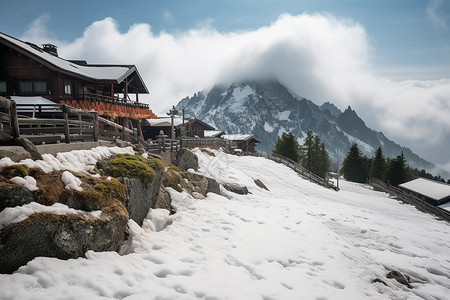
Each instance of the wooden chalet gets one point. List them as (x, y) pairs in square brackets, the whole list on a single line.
[(29, 70), (245, 142), (191, 128), (433, 192)]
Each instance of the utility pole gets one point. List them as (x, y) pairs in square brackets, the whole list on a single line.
[(172, 113), (337, 181)]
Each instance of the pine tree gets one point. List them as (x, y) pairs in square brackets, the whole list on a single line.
[(396, 170), (354, 165), (287, 146), (378, 166), (307, 151), (315, 157)]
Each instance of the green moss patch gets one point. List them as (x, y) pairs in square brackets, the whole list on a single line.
[(15, 170), (126, 165)]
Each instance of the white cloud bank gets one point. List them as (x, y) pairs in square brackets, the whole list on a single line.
[(317, 56)]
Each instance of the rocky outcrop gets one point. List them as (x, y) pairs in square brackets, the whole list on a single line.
[(142, 178), (70, 235), (186, 160), (141, 195), (137, 189), (61, 236)]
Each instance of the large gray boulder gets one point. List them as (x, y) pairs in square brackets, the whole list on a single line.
[(213, 186), (66, 236), (142, 194), (16, 153), (236, 188), (186, 160), (28, 146), (60, 236)]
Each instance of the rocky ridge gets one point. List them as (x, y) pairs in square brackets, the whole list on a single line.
[(129, 186)]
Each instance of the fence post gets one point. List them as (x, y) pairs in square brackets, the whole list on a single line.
[(96, 129), (14, 119), (123, 131), (66, 124)]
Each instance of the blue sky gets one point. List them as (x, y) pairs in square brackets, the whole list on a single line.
[(388, 59), (410, 39)]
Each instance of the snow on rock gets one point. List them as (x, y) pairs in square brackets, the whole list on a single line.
[(268, 127), (71, 181), (80, 161), (296, 241), (19, 213), (27, 181)]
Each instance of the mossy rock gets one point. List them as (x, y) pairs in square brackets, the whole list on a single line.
[(15, 170), (132, 166), (173, 179), (12, 195)]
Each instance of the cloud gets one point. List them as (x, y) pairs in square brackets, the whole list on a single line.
[(316, 56), (436, 13), (37, 30)]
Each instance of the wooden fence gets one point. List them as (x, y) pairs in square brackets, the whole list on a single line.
[(305, 174), (164, 144), (59, 123), (406, 197)]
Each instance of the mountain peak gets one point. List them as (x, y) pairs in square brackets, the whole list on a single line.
[(266, 108)]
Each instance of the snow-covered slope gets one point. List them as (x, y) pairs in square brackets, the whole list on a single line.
[(296, 241), (267, 109)]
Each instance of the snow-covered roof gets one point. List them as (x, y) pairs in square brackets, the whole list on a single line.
[(97, 72), (166, 121), (177, 121), (429, 188), (212, 133), (238, 137), (31, 100)]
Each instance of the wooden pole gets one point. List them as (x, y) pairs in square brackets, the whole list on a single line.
[(66, 124), (14, 120), (96, 129)]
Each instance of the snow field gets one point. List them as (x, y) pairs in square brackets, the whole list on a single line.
[(296, 241)]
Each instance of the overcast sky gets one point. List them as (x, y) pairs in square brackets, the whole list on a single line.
[(389, 60)]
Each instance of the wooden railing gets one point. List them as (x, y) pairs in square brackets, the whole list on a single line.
[(108, 99), (406, 197), (59, 123), (304, 173)]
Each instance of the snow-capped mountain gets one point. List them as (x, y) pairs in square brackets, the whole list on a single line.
[(267, 109)]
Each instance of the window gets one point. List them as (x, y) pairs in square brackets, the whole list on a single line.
[(40, 86), (26, 86), (67, 88), (33, 86), (2, 86)]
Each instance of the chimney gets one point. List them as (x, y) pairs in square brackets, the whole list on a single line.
[(50, 48)]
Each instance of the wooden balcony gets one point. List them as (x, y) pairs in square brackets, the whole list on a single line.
[(112, 107)]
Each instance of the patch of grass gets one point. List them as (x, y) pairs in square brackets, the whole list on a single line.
[(126, 165), (207, 152), (173, 167), (36, 171), (15, 170)]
